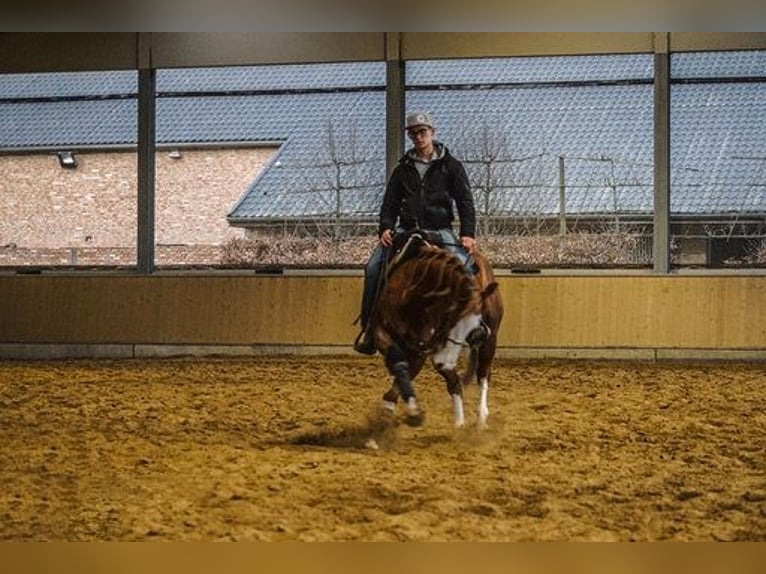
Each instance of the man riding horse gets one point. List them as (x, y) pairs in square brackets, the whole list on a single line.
[(430, 306), (420, 194)]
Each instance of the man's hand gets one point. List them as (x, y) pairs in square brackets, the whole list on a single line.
[(386, 238), (469, 243)]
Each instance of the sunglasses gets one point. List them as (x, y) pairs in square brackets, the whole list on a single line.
[(415, 133)]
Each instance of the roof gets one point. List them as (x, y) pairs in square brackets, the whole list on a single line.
[(265, 103), (595, 111), (186, 81)]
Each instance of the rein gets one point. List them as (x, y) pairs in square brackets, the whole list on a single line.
[(461, 343)]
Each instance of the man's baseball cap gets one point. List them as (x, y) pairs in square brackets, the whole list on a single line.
[(418, 119)]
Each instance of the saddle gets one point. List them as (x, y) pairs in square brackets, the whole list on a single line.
[(408, 244)]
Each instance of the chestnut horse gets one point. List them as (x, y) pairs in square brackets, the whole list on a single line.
[(431, 306)]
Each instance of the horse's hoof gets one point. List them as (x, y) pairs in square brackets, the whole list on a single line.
[(387, 407), (415, 420), (371, 444)]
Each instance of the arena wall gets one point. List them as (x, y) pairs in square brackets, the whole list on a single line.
[(640, 317)]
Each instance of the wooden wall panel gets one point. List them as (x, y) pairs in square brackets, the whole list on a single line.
[(424, 45), (178, 310), (709, 312), (29, 52), (690, 41), (72, 51), (635, 312), (230, 49)]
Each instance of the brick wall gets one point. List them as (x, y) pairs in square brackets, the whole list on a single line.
[(54, 216)]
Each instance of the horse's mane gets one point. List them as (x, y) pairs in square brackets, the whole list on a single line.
[(429, 289), (437, 280)]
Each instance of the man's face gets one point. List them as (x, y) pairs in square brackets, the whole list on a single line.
[(421, 136)]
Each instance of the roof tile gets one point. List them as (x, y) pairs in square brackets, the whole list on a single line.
[(605, 132)]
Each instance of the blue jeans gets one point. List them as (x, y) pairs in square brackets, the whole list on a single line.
[(374, 266)]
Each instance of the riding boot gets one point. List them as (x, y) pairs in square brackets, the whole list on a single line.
[(365, 341), (373, 275)]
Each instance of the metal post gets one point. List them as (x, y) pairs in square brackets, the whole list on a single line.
[(394, 102), (661, 154), (562, 198), (146, 164)]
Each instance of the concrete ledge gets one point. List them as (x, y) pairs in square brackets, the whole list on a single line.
[(42, 352), (630, 354), (710, 354), (157, 351), (617, 354), (304, 350), (163, 351), (53, 351)]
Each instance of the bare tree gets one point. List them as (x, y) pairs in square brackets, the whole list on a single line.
[(493, 169), (341, 166), (325, 182)]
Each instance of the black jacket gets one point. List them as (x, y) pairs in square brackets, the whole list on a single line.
[(427, 203)]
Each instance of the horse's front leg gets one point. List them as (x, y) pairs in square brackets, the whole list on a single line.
[(455, 389), (403, 372), (446, 361), (483, 373), (390, 398)]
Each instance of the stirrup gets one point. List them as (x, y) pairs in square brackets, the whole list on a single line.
[(365, 343)]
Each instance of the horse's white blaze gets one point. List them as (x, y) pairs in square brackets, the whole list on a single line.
[(483, 408), (457, 403), (447, 357)]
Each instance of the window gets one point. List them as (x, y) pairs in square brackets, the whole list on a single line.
[(718, 159), (559, 151), (268, 165), (68, 170)]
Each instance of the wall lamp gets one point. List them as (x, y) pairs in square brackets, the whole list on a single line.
[(67, 159)]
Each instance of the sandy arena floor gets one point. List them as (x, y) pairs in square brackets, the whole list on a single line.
[(274, 449)]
